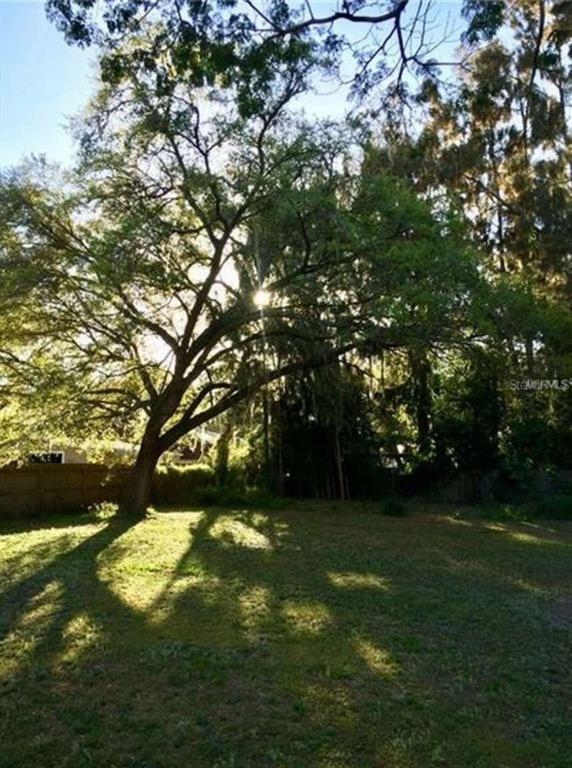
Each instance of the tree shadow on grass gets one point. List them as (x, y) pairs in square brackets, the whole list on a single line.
[(71, 571), (40, 523), (272, 640)]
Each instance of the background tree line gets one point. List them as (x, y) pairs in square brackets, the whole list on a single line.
[(353, 299)]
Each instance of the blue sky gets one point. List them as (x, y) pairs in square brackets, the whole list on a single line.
[(43, 81)]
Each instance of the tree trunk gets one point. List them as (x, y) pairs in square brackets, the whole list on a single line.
[(266, 434), (422, 393), (279, 480), (339, 464), (222, 453), (137, 497)]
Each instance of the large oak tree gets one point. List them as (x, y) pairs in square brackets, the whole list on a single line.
[(196, 253)]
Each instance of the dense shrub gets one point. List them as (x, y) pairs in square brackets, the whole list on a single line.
[(558, 506), (195, 485), (393, 507), (102, 512), (215, 496), (503, 512), (179, 484)]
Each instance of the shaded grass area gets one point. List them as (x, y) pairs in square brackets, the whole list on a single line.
[(326, 637)]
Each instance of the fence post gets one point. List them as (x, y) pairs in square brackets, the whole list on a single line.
[(40, 492), (82, 494)]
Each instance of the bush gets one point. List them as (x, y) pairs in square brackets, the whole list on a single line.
[(103, 511), (393, 507), (195, 485), (178, 484), (215, 496), (509, 513), (557, 506)]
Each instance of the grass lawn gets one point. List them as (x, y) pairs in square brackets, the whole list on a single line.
[(326, 637)]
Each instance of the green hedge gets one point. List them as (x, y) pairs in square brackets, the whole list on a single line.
[(215, 496), (393, 507), (557, 506), (195, 485), (179, 485)]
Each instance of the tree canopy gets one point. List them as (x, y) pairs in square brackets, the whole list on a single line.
[(211, 240)]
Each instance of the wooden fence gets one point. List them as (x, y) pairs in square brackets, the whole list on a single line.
[(475, 487), (43, 489)]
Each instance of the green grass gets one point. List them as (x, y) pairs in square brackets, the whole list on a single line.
[(321, 637)]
